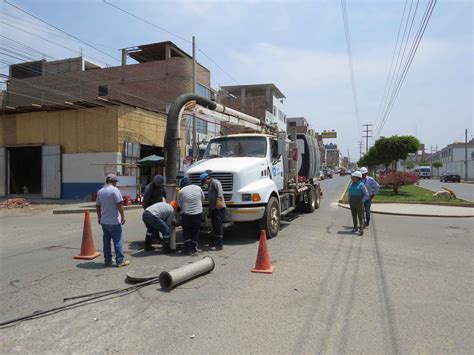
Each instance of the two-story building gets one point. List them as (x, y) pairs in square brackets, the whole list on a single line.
[(263, 101), (453, 158)]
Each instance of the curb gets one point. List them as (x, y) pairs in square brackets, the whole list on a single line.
[(410, 214), (90, 209)]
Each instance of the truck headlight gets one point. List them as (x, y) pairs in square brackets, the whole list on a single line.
[(246, 197)]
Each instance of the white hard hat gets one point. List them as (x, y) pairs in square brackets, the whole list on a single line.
[(358, 174), (364, 170)]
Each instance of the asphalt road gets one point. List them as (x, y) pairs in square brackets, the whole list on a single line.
[(405, 286), (462, 190)]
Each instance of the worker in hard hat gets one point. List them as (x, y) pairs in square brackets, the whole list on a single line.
[(159, 217), (217, 208), (154, 193), (190, 200), (357, 195), (373, 188)]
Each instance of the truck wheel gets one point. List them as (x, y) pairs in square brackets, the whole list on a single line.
[(311, 205), (271, 219)]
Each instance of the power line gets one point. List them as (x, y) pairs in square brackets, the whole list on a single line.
[(413, 50), (172, 34), (402, 75), (60, 30), (385, 92), (349, 56)]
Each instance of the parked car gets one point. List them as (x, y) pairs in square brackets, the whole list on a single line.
[(321, 175), (327, 173), (450, 176)]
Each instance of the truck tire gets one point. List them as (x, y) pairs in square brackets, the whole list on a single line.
[(271, 219), (310, 206)]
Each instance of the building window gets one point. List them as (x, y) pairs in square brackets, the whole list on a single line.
[(103, 90), (275, 111), (203, 91), (201, 126)]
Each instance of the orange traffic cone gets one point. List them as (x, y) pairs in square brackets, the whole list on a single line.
[(87, 249), (263, 265)]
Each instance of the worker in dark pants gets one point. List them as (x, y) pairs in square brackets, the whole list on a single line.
[(154, 193), (159, 218), (217, 208), (373, 188), (357, 195), (190, 200)]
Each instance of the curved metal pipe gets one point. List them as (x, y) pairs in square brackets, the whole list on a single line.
[(172, 131), (175, 277)]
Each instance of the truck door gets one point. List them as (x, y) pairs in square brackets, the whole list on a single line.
[(276, 164)]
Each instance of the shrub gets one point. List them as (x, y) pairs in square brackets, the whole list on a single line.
[(397, 179)]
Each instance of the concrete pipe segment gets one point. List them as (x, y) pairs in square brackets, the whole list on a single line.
[(171, 279)]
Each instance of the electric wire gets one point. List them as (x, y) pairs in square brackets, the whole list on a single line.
[(349, 57), (172, 34), (406, 66), (62, 31)]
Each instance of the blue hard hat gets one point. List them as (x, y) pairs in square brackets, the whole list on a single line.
[(203, 177), (185, 182)]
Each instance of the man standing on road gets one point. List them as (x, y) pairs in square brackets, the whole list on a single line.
[(373, 188), (357, 195), (190, 199), (159, 218), (217, 207), (109, 208), (154, 193)]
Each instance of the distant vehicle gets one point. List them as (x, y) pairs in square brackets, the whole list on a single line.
[(321, 175), (423, 172), (327, 173), (450, 176)]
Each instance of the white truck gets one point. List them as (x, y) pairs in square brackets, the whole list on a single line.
[(264, 175)]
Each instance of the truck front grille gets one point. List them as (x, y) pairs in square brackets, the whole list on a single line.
[(226, 180)]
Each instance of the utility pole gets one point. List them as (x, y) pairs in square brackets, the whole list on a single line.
[(361, 145), (195, 147), (367, 131), (465, 157)]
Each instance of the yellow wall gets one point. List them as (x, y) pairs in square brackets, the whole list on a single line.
[(101, 129), (144, 127), (77, 131)]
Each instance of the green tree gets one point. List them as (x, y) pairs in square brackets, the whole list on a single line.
[(394, 148)]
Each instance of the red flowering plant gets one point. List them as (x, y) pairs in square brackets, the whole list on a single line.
[(397, 179)]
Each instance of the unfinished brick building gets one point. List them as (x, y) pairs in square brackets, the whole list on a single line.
[(161, 73)]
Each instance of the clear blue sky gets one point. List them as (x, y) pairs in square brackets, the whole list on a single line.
[(297, 45)]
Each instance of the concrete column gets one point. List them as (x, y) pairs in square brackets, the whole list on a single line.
[(124, 57), (167, 52), (242, 96)]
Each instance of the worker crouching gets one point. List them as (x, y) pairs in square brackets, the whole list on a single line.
[(159, 217)]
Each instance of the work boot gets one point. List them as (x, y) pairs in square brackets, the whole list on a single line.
[(367, 223), (354, 230), (148, 246), (217, 244), (361, 231), (166, 245)]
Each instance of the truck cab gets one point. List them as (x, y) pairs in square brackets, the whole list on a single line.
[(250, 170)]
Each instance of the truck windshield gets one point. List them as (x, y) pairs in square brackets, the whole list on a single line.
[(425, 170), (236, 147)]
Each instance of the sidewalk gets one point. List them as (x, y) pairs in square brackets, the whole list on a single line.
[(86, 206), (419, 210)]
